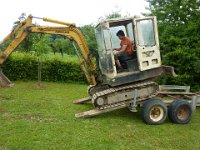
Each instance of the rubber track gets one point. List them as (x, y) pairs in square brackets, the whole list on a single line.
[(118, 89)]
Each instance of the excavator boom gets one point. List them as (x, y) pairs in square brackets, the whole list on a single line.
[(69, 30)]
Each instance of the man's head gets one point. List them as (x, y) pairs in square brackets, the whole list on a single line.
[(120, 34)]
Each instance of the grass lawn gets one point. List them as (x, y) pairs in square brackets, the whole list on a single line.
[(32, 118)]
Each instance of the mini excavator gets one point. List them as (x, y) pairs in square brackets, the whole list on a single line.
[(108, 89)]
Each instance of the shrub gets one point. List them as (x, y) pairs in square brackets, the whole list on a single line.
[(22, 66)]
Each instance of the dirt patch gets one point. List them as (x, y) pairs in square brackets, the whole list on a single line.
[(39, 86), (39, 118), (2, 110)]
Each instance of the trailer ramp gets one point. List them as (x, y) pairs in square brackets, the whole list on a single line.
[(97, 111)]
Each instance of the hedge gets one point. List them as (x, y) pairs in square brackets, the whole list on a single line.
[(22, 66)]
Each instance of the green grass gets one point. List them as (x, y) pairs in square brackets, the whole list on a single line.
[(32, 118)]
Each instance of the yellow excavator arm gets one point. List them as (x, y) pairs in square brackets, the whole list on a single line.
[(69, 30)]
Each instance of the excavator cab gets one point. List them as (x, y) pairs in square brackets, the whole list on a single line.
[(144, 36)]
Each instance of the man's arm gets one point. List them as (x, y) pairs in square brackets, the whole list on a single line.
[(121, 49)]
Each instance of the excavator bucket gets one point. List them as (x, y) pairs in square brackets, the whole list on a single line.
[(4, 81)]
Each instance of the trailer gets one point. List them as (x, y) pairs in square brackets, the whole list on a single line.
[(156, 103)]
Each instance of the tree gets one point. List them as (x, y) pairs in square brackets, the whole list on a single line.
[(41, 48), (179, 31), (4, 44), (114, 14), (89, 34), (62, 45)]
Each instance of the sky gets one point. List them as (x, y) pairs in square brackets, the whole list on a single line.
[(80, 12)]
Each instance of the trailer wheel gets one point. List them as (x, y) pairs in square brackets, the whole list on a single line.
[(154, 112), (180, 111)]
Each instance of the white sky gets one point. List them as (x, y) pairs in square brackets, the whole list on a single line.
[(81, 12)]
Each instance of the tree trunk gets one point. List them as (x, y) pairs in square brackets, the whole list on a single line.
[(39, 72)]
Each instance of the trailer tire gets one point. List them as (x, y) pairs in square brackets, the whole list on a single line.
[(180, 111), (154, 112)]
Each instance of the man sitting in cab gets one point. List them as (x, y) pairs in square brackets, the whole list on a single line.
[(125, 52)]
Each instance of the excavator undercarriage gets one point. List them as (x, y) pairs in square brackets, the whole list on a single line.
[(118, 97)]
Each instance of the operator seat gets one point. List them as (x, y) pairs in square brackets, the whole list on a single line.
[(123, 61)]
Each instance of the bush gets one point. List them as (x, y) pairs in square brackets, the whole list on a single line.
[(22, 66)]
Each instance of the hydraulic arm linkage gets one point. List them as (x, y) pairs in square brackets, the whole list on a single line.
[(69, 30)]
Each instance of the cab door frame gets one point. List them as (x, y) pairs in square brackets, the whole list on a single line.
[(148, 55)]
